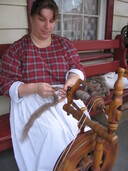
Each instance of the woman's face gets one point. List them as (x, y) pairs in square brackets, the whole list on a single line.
[(43, 24)]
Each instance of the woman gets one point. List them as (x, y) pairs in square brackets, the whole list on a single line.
[(31, 69)]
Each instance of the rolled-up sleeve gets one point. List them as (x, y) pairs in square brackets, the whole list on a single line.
[(76, 71), (13, 91), (74, 59)]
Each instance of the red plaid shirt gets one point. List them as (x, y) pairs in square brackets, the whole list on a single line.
[(25, 62)]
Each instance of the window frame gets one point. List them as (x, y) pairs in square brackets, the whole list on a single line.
[(100, 17)]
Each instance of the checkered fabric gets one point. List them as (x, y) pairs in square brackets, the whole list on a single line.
[(25, 62)]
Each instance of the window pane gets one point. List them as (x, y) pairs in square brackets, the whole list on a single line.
[(76, 9), (73, 27), (91, 7), (57, 29), (90, 28), (59, 4), (80, 22)]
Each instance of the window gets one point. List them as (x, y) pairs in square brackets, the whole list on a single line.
[(81, 19)]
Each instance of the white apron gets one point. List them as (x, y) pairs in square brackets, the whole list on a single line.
[(47, 138)]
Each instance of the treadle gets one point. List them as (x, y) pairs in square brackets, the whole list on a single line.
[(5, 134)]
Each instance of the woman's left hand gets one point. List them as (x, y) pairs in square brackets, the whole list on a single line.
[(72, 78)]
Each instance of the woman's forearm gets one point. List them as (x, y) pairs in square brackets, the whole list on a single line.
[(27, 89), (42, 89)]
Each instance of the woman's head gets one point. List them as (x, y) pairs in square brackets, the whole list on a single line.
[(38, 5), (43, 18)]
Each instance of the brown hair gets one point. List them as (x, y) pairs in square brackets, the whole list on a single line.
[(38, 5)]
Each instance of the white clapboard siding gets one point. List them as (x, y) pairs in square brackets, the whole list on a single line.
[(13, 17), (13, 25), (120, 18), (119, 22), (121, 8), (13, 20), (14, 2), (9, 36)]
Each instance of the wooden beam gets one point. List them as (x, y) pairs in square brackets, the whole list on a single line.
[(109, 19), (29, 2)]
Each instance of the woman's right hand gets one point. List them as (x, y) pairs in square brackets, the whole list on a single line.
[(45, 90)]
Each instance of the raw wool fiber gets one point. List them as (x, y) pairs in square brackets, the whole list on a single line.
[(37, 114), (97, 86)]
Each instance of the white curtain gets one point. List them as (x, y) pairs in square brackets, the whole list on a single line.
[(68, 5)]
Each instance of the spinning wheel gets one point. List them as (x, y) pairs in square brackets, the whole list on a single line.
[(80, 157), (96, 149), (124, 32)]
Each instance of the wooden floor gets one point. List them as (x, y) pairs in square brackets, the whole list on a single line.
[(7, 161)]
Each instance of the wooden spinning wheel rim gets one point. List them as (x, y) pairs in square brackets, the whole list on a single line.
[(82, 145)]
